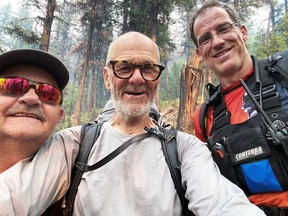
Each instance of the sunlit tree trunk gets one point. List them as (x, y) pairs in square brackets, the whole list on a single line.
[(189, 90)]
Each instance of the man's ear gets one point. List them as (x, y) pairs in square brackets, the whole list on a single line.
[(106, 77), (244, 32), (61, 115)]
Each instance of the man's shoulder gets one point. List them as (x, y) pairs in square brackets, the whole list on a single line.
[(69, 136), (74, 129), (186, 141)]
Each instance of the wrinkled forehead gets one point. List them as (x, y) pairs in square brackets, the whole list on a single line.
[(134, 48), (209, 19)]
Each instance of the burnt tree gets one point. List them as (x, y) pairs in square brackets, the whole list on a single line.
[(191, 76)]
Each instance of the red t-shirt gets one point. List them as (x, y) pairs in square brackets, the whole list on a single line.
[(234, 99)]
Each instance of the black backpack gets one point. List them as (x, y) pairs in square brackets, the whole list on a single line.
[(265, 148), (273, 67), (89, 135)]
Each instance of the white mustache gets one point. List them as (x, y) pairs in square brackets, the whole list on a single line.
[(27, 110)]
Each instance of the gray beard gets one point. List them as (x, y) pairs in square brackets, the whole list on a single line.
[(131, 113)]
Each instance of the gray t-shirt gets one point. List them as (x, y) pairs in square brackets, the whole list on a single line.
[(138, 181)]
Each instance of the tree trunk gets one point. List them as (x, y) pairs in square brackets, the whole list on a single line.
[(167, 78), (189, 90), (45, 38), (76, 116), (271, 19), (90, 91), (125, 16), (153, 22)]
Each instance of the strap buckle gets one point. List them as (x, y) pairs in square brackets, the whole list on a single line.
[(266, 90), (82, 166)]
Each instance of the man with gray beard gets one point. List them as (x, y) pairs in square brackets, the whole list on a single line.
[(137, 182)]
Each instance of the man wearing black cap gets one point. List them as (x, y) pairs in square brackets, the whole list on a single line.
[(31, 84)]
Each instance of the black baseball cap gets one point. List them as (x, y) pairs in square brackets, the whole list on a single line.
[(38, 58)]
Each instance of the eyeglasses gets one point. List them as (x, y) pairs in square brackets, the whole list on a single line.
[(221, 29), (124, 70), (16, 86)]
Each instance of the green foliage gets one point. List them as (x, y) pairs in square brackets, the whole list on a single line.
[(11, 27), (282, 28), (26, 35), (275, 42), (5, 18), (174, 74)]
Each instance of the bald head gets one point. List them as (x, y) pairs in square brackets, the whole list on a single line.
[(134, 46)]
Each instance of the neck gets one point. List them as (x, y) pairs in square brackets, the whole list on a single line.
[(131, 126), (14, 151)]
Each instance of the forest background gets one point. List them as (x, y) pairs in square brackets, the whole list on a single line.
[(79, 33)]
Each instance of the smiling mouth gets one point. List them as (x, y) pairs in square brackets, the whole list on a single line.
[(135, 93), (218, 55), (28, 115)]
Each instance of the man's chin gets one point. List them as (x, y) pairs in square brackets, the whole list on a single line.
[(135, 111)]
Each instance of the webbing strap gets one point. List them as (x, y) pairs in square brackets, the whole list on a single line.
[(89, 134), (278, 67), (221, 115), (271, 103), (85, 168), (90, 137)]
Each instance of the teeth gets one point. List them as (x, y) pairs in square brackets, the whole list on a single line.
[(24, 115), (221, 54), (19, 115)]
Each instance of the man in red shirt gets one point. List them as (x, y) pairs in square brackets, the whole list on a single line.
[(237, 135)]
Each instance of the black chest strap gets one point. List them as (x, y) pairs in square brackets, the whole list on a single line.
[(264, 92), (221, 115)]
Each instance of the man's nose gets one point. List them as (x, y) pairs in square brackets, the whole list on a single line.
[(137, 76), (217, 39), (30, 97)]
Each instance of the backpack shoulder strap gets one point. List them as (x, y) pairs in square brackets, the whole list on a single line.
[(203, 119), (169, 147), (214, 98), (89, 134), (278, 67)]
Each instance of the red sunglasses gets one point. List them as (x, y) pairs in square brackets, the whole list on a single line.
[(15, 86)]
